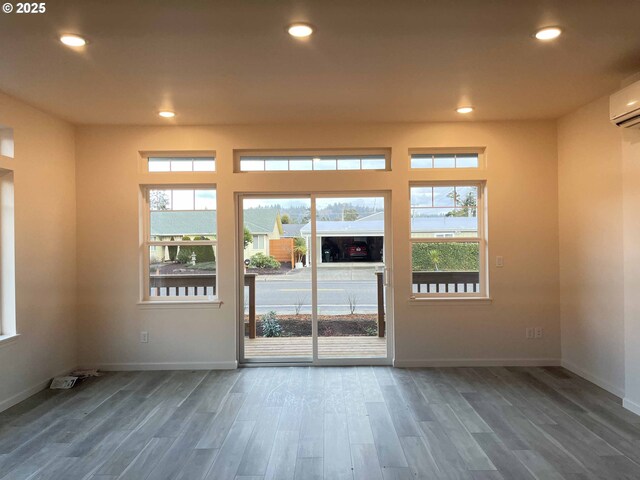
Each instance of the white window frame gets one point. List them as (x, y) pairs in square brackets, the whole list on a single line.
[(147, 243), (260, 240), (479, 151), (293, 155), (194, 155), (481, 238), (8, 322)]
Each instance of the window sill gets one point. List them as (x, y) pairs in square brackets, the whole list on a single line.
[(450, 301), (152, 305), (8, 339)]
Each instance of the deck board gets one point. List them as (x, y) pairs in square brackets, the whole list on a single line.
[(328, 347)]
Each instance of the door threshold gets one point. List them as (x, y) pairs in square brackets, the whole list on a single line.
[(327, 362), (275, 364)]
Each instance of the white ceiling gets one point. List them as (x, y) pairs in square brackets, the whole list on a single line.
[(223, 62)]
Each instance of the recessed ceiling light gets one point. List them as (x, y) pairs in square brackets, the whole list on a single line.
[(167, 114), (464, 109), (71, 40), (300, 30), (548, 33)]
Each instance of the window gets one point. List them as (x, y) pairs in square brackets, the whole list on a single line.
[(7, 257), (6, 141), (180, 243), (444, 160), (181, 164), (447, 240), (258, 242), (252, 163)]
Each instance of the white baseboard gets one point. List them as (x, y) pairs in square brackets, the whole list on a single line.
[(27, 392), (609, 387), (111, 367), (631, 406), (479, 362)]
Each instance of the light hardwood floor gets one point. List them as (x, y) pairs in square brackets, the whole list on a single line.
[(323, 423)]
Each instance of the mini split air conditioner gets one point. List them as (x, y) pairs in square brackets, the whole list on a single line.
[(624, 106)]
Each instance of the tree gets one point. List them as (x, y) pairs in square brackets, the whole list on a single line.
[(299, 248), (285, 219), (349, 214), (159, 200), (434, 256), (465, 208), (248, 238)]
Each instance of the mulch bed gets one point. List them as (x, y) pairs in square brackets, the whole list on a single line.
[(328, 325), (285, 267)]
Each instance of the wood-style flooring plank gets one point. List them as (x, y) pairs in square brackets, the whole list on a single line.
[(311, 423)]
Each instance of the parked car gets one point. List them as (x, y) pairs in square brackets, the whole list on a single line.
[(357, 250)]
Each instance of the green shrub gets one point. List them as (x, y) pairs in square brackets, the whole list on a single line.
[(204, 253), (173, 251), (184, 255), (248, 238), (270, 325), (431, 257), (260, 260)]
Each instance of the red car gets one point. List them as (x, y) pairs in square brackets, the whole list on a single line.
[(358, 250)]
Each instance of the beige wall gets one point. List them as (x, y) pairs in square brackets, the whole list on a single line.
[(45, 246), (523, 227), (591, 239)]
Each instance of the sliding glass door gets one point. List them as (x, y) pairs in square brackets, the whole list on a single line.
[(350, 234), (314, 279), (277, 317)]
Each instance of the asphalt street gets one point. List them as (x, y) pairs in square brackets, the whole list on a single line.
[(282, 295)]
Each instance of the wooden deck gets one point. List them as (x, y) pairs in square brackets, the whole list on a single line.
[(328, 347)]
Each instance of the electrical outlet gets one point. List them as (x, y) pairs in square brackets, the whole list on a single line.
[(537, 333), (499, 261), (144, 337), (528, 332)]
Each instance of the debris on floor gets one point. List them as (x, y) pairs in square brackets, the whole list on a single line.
[(63, 383)]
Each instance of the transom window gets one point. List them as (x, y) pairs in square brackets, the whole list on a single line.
[(180, 243), (251, 163), (444, 160), (181, 164), (447, 240)]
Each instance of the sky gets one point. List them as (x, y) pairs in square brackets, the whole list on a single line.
[(321, 202)]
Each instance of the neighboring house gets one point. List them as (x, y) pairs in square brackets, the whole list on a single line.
[(167, 225), (291, 230), (378, 216), (370, 229), (264, 225)]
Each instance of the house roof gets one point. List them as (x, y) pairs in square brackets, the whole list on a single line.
[(263, 220), (373, 216), (292, 230), (364, 226), (168, 222), (260, 220)]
